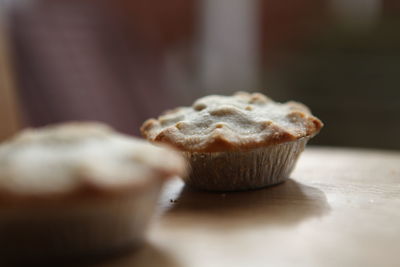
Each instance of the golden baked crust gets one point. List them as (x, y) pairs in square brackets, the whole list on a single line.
[(222, 123), (80, 159)]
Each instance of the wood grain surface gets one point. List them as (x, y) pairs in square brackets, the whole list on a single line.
[(340, 208)]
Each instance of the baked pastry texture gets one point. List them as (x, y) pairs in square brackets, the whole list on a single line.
[(238, 142), (78, 190)]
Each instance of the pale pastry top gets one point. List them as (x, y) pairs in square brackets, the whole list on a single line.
[(243, 121), (75, 157)]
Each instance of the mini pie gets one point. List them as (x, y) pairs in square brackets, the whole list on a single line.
[(238, 142), (78, 190)]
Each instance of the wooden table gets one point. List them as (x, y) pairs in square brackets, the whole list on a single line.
[(341, 208)]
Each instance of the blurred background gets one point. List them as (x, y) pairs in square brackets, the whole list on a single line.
[(124, 61)]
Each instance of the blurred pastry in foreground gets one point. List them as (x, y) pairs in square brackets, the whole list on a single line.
[(78, 190), (240, 142)]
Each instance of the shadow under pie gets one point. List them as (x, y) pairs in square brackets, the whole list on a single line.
[(284, 204), (146, 255), (143, 256)]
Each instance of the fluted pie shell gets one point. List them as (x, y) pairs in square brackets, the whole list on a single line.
[(238, 142), (78, 190)]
